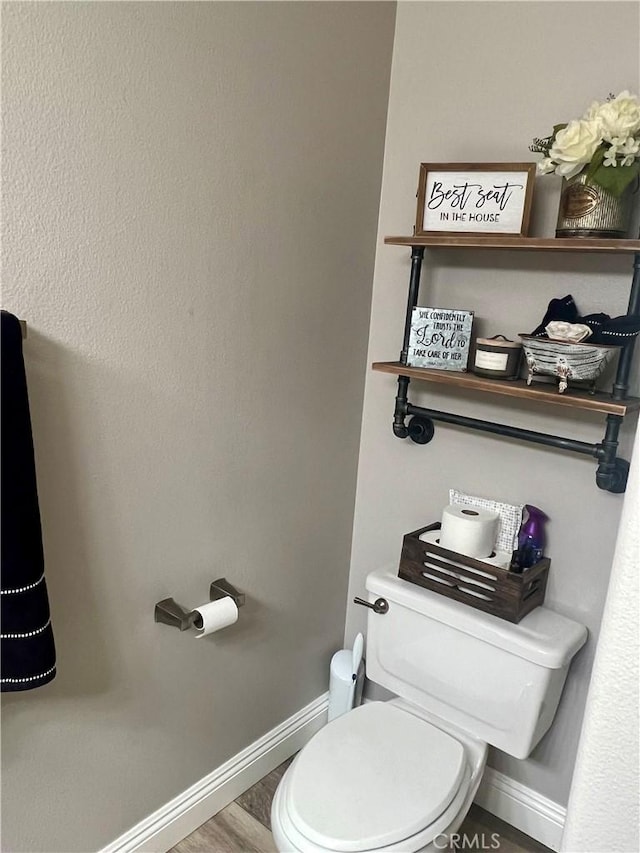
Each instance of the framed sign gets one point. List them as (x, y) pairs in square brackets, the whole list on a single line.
[(440, 338), (474, 198)]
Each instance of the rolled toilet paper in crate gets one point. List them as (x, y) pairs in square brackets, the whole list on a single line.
[(502, 559), (510, 517), (469, 530)]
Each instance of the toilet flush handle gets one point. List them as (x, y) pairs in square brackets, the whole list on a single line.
[(380, 605)]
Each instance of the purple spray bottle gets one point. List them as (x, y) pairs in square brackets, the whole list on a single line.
[(531, 540)]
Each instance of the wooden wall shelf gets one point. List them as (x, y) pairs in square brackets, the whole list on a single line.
[(544, 244), (612, 471), (599, 402)]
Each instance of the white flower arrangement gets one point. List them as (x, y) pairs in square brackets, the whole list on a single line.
[(604, 143)]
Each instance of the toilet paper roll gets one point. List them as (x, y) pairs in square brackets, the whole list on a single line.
[(499, 558), (215, 615), (469, 530)]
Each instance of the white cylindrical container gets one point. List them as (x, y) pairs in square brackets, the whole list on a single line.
[(343, 693)]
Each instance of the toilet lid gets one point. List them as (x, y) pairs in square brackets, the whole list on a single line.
[(372, 777)]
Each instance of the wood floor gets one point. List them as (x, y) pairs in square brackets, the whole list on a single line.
[(245, 827)]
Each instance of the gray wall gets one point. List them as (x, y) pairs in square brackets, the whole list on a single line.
[(191, 194), (475, 82)]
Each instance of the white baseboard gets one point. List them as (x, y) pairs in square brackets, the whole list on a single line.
[(189, 810), (509, 800), (522, 807)]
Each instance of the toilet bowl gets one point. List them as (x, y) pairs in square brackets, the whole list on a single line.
[(386, 777), (401, 775)]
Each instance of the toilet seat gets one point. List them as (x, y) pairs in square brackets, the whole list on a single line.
[(378, 778)]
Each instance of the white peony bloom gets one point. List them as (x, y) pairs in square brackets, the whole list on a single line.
[(574, 146), (619, 117), (593, 112)]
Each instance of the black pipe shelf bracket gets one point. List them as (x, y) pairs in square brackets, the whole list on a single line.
[(612, 471)]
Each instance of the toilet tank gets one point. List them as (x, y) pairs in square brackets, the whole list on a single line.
[(497, 681)]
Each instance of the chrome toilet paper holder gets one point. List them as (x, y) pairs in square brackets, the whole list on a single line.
[(169, 612)]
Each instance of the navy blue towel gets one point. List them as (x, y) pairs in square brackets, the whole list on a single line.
[(28, 651)]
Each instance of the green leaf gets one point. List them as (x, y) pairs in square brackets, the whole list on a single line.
[(594, 165), (559, 127), (616, 179)]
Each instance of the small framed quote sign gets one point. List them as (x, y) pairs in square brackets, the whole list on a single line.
[(440, 338), (474, 198)]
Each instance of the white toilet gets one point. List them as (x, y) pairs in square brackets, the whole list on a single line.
[(401, 775)]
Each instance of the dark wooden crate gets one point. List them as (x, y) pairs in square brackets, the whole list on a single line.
[(505, 594)]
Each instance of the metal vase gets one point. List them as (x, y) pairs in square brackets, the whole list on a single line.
[(588, 210)]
